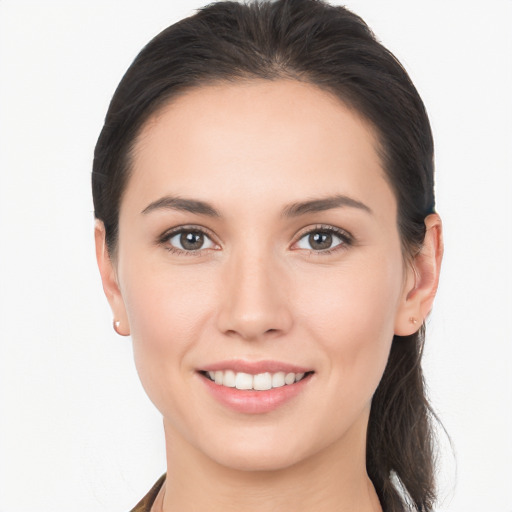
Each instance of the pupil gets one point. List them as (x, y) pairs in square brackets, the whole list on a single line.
[(320, 241), (192, 240)]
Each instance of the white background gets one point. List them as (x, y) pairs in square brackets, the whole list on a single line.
[(76, 430)]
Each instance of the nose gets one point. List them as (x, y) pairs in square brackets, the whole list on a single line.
[(255, 303)]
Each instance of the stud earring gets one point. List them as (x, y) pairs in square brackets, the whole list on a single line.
[(117, 327), (413, 320)]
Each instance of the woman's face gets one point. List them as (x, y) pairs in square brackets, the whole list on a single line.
[(258, 236)]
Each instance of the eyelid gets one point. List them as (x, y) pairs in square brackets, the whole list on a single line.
[(164, 238), (344, 235)]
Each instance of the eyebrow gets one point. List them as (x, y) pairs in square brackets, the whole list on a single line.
[(293, 210), (320, 205), (181, 204)]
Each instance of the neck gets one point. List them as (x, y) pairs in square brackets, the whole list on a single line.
[(332, 481)]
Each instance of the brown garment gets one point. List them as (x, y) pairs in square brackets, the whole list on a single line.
[(146, 503)]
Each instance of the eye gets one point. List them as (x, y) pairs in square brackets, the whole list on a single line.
[(323, 239), (188, 240)]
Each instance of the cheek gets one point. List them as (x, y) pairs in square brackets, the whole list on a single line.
[(167, 312), (163, 303), (357, 297), (352, 317)]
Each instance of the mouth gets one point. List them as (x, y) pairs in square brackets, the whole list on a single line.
[(254, 382), (255, 387)]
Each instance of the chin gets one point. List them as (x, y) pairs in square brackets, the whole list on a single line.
[(244, 454), (257, 462)]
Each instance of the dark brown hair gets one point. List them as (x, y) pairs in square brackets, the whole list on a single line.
[(332, 48)]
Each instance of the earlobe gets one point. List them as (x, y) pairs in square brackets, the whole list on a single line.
[(422, 280), (110, 282)]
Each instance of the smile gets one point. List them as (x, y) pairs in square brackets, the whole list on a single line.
[(259, 382), (255, 387)]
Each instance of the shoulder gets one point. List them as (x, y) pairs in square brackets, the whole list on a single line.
[(146, 503)]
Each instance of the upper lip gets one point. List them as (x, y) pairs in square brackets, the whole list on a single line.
[(255, 367)]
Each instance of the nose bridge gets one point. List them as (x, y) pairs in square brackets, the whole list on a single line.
[(254, 302)]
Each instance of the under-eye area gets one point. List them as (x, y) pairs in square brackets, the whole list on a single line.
[(259, 382)]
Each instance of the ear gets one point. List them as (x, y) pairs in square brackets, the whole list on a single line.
[(422, 280), (110, 282)]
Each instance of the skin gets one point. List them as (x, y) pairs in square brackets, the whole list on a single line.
[(259, 290)]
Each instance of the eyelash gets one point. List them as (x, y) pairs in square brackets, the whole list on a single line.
[(345, 237), (166, 237)]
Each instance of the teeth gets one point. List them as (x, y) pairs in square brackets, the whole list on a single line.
[(289, 378), (262, 381), (243, 381), (259, 382), (229, 379), (278, 380)]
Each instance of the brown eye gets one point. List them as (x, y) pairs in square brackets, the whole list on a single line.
[(320, 241), (190, 240), (323, 239)]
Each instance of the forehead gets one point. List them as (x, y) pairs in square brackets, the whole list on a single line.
[(271, 140)]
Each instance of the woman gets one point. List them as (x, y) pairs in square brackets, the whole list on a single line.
[(263, 188)]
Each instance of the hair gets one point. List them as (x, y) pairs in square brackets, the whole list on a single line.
[(333, 49)]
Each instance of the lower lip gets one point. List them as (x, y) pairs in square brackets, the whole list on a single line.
[(255, 402)]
